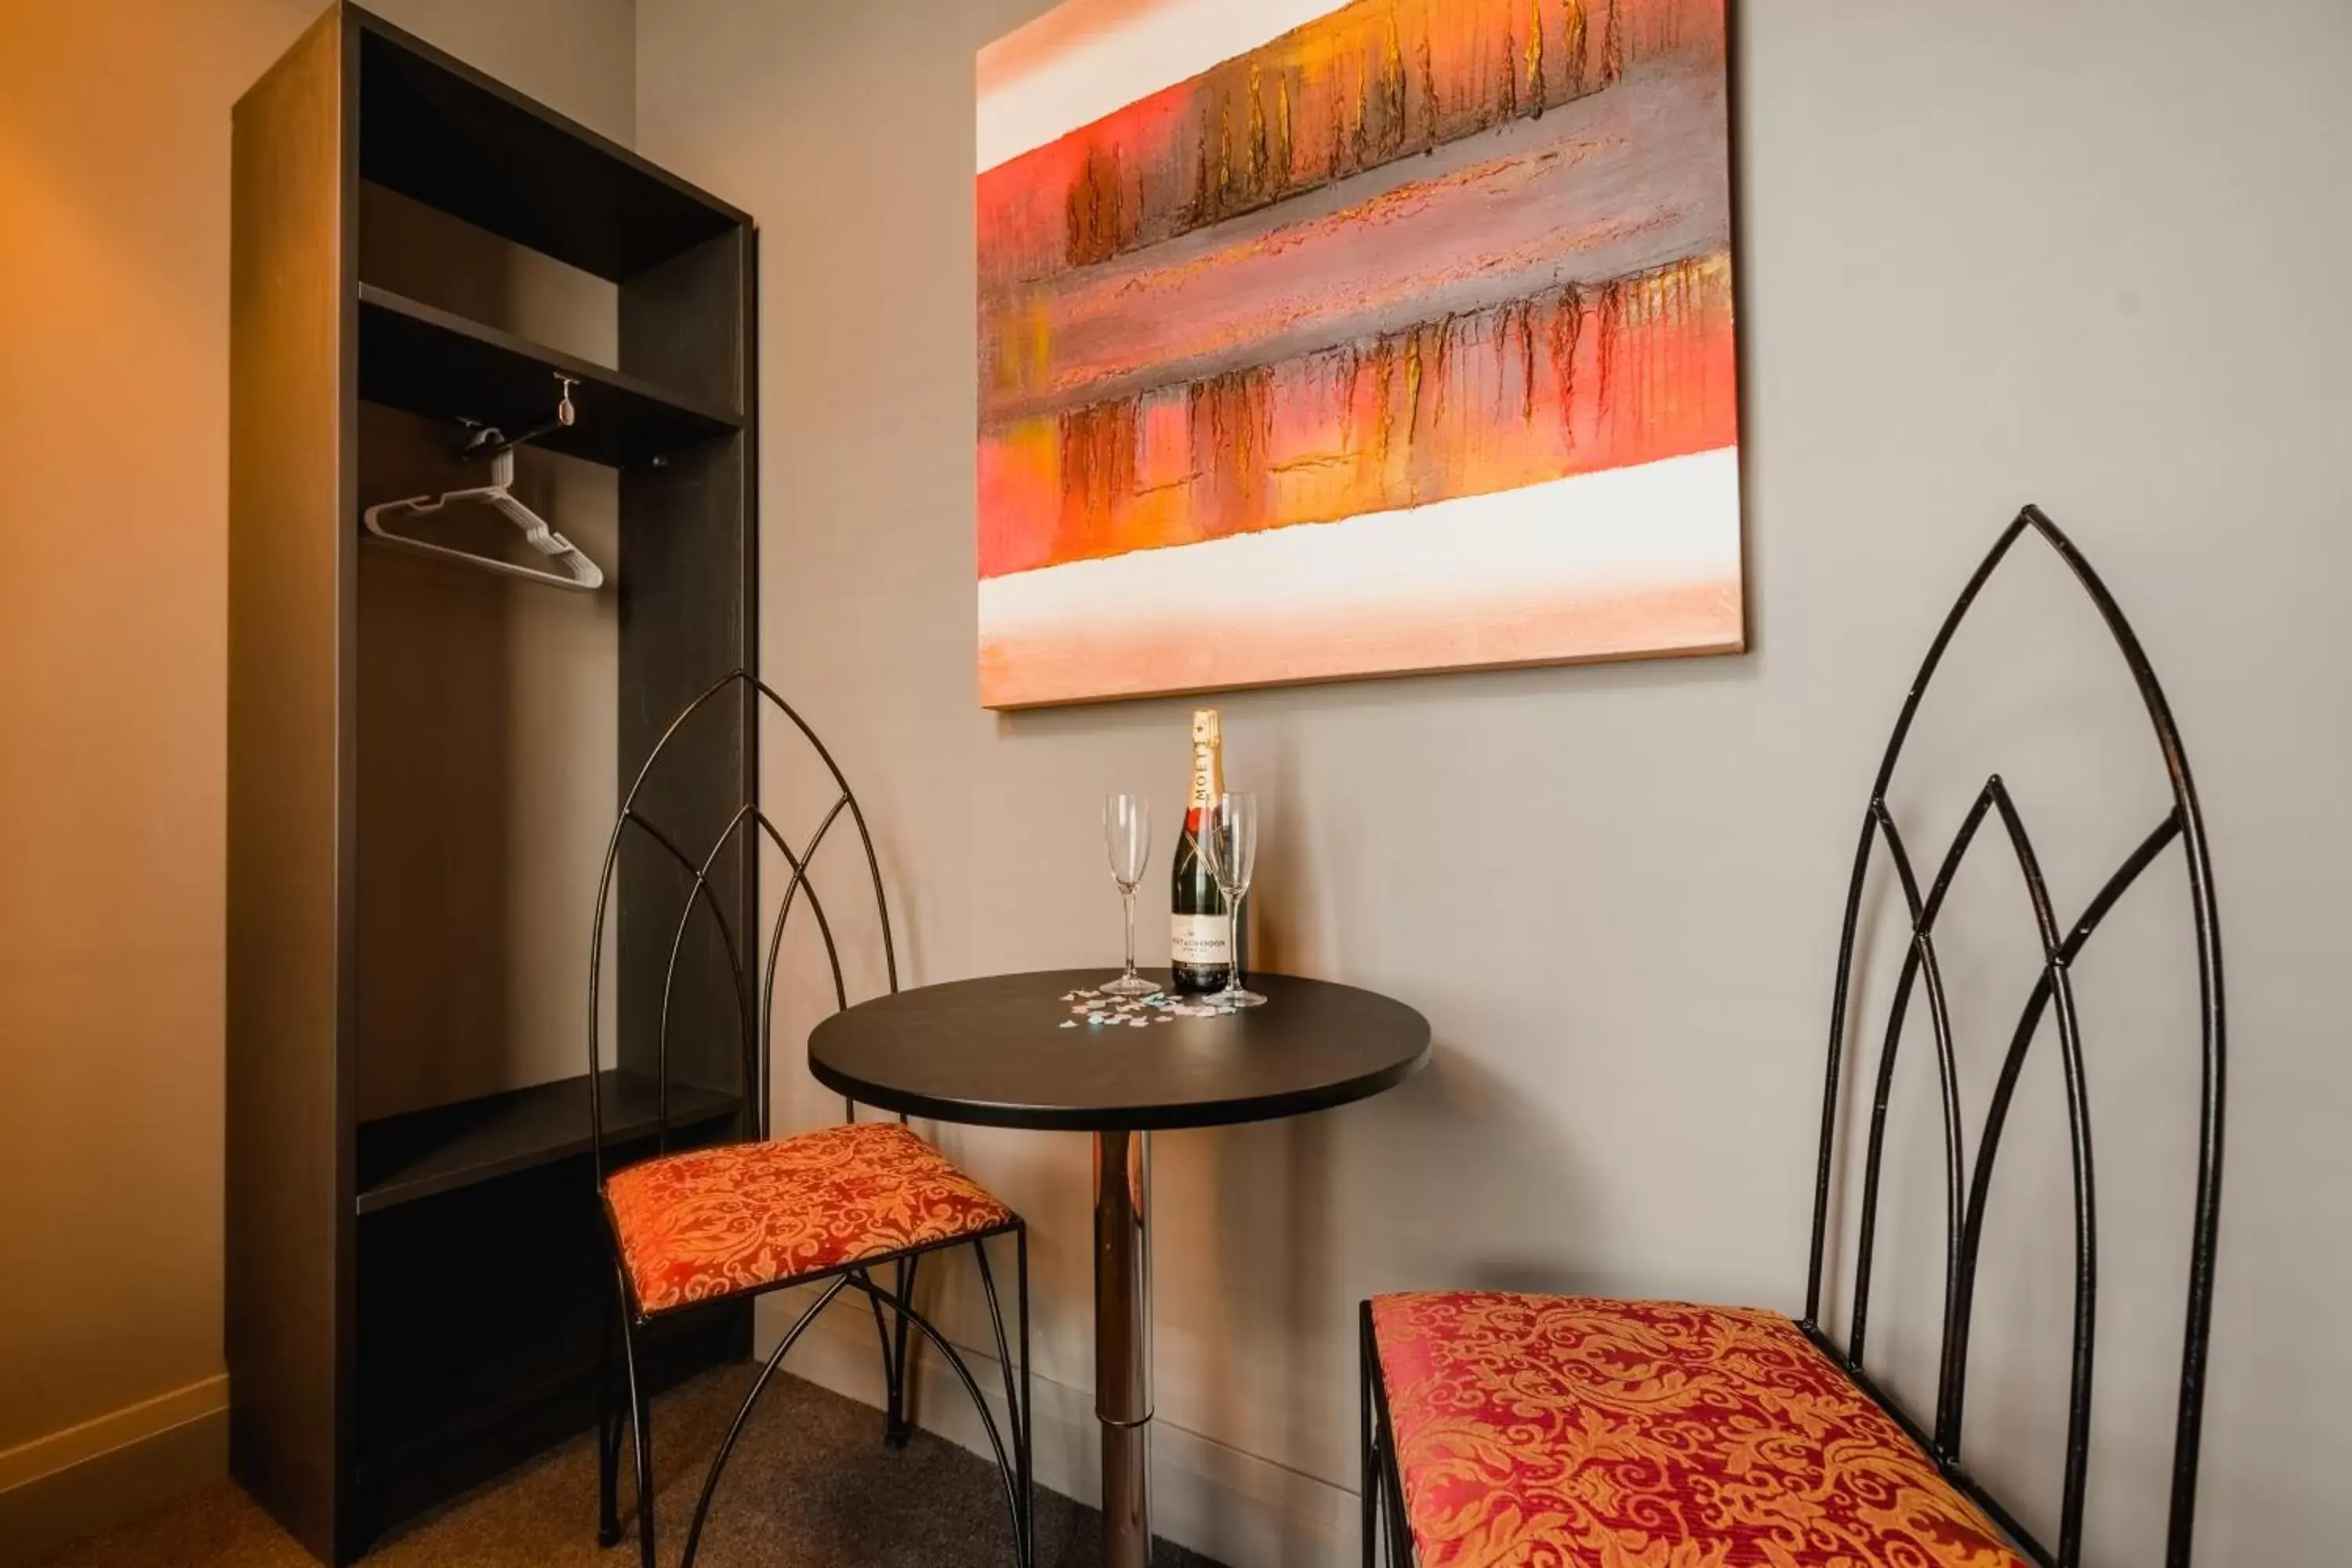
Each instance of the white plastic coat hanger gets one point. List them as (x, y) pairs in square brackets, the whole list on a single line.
[(580, 572)]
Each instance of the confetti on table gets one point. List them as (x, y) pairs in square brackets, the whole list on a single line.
[(1099, 1008)]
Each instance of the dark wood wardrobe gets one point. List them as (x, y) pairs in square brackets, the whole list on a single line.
[(424, 760)]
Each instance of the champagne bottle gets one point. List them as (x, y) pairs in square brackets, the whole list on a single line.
[(1200, 946)]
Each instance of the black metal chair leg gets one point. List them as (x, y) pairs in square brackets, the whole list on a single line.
[(641, 1424), (1401, 1547), (1384, 1504), (1004, 1466), (608, 1429), (1368, 1472), (1028, 1406), (743, 1413), (1016, 1406), (881, 1332), (898, 1427)]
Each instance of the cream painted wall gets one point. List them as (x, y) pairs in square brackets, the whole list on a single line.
[(114, 223), (2072, 253), (2022, 251)]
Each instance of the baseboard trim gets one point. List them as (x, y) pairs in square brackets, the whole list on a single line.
[(1233, 1507), (104, 1472)]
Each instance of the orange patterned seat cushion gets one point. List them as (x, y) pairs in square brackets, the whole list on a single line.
[(1564, 1431), (714, 1222)]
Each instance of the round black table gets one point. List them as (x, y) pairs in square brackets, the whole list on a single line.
[(994, 1052)]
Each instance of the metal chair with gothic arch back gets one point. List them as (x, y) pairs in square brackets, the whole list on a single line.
[(1438, 1436), (830, 1208)]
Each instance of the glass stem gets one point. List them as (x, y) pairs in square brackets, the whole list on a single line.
[(1129, 894), (1232, 944)]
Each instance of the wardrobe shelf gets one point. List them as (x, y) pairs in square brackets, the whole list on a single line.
[(438, 130), (422, 1154), (428, 360)]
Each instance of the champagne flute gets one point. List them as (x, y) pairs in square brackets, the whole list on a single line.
[(1127, 833), (1229, 845)]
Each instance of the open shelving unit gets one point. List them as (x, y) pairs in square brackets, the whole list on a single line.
[(417, 1275), (432, 362)]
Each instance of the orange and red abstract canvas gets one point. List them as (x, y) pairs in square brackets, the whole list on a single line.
[(1319, 343)]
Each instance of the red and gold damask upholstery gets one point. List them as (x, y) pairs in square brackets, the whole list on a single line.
[(714, 1222), (1561, 1432)]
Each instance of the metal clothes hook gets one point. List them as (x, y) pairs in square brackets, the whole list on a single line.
[(487, 442)]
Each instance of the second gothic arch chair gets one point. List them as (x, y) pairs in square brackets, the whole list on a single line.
[(830, 1208), (1501, 1428)]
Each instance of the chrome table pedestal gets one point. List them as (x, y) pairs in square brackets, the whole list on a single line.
[(1123, 1342)]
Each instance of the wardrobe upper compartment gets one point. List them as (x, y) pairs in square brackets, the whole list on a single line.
[(452, 138)]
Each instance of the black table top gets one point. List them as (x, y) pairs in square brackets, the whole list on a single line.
[(993, 1052)]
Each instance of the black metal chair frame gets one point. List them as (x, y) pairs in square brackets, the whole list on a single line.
[(756, 1014), (1966, 1191)]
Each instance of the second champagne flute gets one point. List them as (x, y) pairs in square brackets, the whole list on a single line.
[(1126, 834), (1229, 844)]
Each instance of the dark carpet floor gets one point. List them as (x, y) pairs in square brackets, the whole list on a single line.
[(811, 1486)]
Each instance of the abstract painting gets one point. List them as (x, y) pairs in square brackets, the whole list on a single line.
[(1325, 342)]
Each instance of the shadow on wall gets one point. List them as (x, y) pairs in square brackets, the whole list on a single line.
[(1291, 1223), (1308, 1217), (1476, 1147)]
